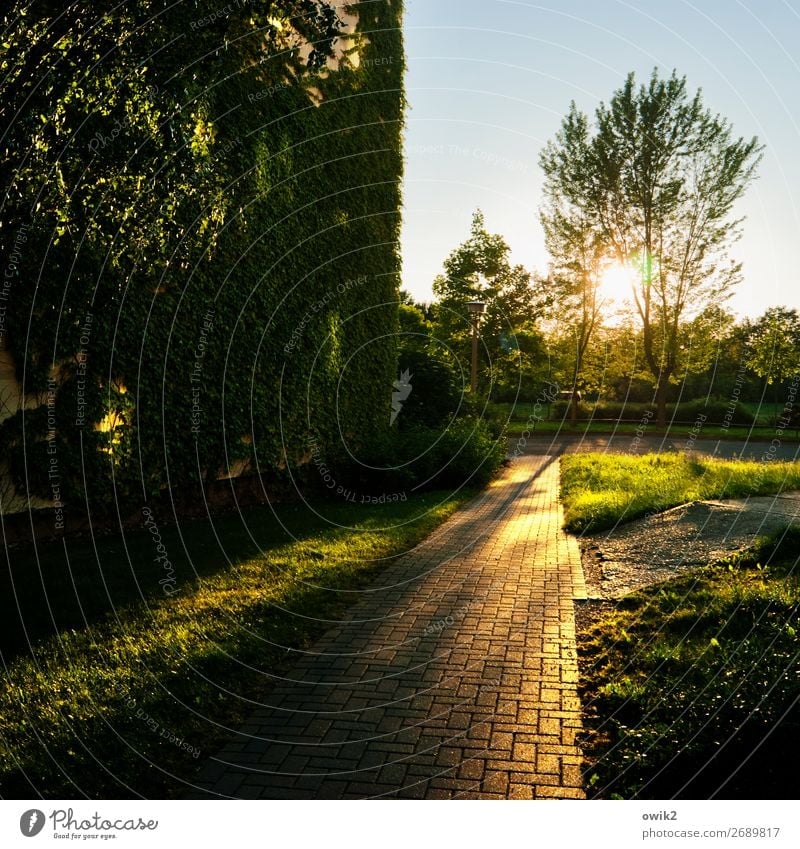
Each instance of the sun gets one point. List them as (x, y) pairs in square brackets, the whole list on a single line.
[(616, 282)]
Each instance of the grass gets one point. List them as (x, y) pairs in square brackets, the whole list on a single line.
[(600, 490), (764, 415), (678, 431), (692, 687), (112, 689)]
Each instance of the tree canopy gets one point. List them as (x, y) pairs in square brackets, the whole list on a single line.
[(481, 268), (656, 178), (774, 345)]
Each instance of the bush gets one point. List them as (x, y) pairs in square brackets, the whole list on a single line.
[(621, 410), (716, 411), (436, 390), (600, 410), (466, 452), (462, 452)]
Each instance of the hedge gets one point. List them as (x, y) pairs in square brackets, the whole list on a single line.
[(209, 275)]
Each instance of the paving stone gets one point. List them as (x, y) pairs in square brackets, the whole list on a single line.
[(520, 791), (549, 763), (454, 676), (471, 769), (551, 792), (438, 793), (495, 782), (524, 752)]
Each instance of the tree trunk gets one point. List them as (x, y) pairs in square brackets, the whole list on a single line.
[(573, 401), (661, 403)]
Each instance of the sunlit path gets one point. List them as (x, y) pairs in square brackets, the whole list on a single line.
[(458, 680)]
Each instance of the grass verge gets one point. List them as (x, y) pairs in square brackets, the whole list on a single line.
[(133, 699), (677, 431), (692, 687), (600, 490)]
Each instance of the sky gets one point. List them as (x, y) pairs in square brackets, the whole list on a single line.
[(489, 81)]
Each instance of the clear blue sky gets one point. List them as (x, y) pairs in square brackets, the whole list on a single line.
[(489, 81)]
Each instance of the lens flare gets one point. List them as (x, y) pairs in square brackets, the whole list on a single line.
[(617, 281)]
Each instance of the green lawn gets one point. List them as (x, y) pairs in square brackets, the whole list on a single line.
[(692, 687), (122, 684), (600, 490), (764, 414), (764, 418), (676, 432)]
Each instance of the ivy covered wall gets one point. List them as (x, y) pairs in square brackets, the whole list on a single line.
[(209, 196)]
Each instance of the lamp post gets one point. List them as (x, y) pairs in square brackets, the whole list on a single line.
[(476, 310)]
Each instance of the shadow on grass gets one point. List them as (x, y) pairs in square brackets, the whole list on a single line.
[(49, 588), (132, 697), (691, 687)]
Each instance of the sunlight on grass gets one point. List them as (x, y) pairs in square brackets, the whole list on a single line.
[(600, 490), (211, 649)]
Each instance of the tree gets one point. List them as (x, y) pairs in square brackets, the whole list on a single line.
[(415, 326), (576, 266), (513, 301), (774, 346), (658, 177)]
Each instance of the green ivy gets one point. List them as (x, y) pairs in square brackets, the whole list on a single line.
[(229, 240)]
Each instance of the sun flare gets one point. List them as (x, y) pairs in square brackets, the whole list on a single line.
[(617, 281)]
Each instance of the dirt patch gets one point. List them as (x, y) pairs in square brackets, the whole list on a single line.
[(587, 612), (659, 547)]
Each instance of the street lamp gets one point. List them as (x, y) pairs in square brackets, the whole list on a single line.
[(476, 310)]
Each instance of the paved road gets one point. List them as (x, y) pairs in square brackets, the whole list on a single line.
[(552, 443), (454, 677)]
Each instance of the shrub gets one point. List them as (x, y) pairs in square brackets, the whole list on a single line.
[(462, 452), (600, 410), (436, 390), (716, 411)]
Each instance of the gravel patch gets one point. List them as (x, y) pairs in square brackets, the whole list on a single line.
[(659, 547)]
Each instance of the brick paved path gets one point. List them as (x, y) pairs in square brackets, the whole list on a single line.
[(455, 677)]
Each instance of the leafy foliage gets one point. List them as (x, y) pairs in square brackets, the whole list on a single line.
[(656, 180), (223, 208), (510, 344), (438, 389), (774, 351)]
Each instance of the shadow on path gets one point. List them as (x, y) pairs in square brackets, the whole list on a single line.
[(454, 676)]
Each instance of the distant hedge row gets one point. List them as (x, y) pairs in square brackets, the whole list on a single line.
[(209, 273), (717, 411)]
